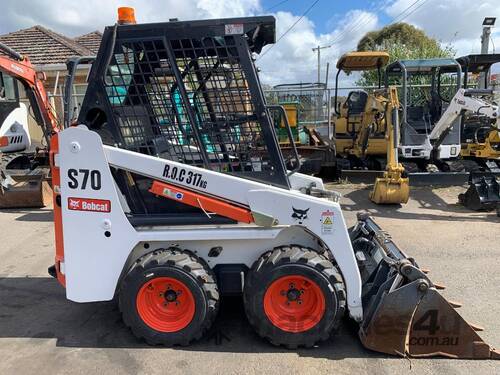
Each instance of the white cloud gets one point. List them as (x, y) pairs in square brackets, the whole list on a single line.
[(292, 59), (451, 21), (76, 17)]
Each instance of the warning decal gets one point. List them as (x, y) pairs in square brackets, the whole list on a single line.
[(234, 29), (327, 222)]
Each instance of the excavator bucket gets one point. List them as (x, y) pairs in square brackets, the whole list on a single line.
[(394, 186), (483, 192), (389, 190), (27, 191), (404, 314)]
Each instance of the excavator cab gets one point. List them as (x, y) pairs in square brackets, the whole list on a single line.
[(427, 86), (14, 132), (359, 126), (23, 178)]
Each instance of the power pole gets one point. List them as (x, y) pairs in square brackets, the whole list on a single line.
[(488, 23), (319, 48)]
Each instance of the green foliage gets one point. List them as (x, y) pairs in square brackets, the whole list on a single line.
[(402, 41)]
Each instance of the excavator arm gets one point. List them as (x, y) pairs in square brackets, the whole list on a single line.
[(464, 100), (20, 67)]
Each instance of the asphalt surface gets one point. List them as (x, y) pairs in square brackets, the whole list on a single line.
[(43, 333)]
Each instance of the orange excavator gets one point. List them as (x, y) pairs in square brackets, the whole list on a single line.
[(24, 159)]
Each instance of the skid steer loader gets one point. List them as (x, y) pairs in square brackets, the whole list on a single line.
[(172, 191), (24, 164)]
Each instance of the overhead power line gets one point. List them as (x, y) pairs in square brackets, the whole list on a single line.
[(354, 27), (413, 11), (276, 5), (291, 27)]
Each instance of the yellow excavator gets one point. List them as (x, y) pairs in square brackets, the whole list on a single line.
[(359, 123), (367, 128)]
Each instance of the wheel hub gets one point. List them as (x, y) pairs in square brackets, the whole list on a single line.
[(294, 303), (170, 296), (293, 295), (166, 304)]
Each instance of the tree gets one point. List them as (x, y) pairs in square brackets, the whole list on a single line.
[(401, 41)]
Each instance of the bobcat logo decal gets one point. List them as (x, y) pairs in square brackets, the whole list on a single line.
[(299, 215)]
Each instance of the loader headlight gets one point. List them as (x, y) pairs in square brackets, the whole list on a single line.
[(13, 128), (453, 151)]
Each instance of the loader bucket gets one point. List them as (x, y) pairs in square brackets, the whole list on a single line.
[(390, 191), (26, 191), (483, 192), (404, 314)]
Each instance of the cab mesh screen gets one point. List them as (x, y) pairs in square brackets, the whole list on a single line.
[(189, 100)]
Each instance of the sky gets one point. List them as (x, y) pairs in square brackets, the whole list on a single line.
[(338, 23)]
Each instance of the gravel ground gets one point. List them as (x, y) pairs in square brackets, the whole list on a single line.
[(43, 333)]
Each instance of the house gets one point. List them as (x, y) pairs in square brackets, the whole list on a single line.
[(48, 52)]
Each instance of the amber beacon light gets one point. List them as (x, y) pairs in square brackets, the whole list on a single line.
[(126, 15)]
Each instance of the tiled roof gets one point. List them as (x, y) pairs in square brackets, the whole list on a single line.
[(44, 46), (91, 40)]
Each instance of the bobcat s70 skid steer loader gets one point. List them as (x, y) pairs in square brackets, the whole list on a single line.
[(172, 191)]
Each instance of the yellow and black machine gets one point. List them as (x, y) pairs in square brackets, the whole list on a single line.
[(480, 139), (367, 129), (480, 136), (360, 119)]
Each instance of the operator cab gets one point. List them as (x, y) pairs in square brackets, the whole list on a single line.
[(186, 92), (425, 90), (350, 113), (14, 133)]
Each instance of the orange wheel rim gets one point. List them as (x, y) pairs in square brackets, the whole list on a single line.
[(165, 304), (294, 303)]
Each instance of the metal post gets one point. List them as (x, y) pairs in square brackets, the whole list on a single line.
[(319, 64), (485, 41), (319, 48), (488, 23)]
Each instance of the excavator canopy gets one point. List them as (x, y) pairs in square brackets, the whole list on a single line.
[(366, 60)]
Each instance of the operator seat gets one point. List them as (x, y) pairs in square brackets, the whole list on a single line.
[(416, 119), (435, 107), (356, 104)]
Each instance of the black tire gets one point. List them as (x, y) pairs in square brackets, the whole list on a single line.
[(294, 260), (187, 269)]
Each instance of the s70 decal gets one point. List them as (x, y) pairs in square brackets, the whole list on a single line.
[(84, 178)]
